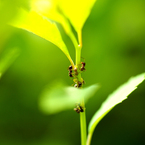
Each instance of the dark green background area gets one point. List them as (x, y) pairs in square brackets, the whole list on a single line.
[(114, 50)]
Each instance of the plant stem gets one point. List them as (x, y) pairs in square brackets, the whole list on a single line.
[(82, 114), (78, 62), (80, 38), (78, 57), (83, 125)]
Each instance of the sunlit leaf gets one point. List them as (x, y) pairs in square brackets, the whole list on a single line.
[(115, 98), (49, 9), (7, 59), (77, 11), (35, 23), (57, 97)]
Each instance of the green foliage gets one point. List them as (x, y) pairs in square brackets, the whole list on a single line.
[(77, 11), (115, 98), (57, 97), (49, 9), (35, 23)]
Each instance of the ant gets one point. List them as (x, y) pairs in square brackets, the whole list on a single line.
[(78, 85), (79, 108), (83, 66), (70, 71)]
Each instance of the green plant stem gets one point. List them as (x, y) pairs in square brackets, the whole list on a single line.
[(83, 125), (80, 38), (82, 114), (77, 48), (78, 57)]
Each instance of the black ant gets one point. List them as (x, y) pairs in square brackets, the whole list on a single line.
[(79, 108), (83, 66), (70, 67), (78, 85), (70, 71)]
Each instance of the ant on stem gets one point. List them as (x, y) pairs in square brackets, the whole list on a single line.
[(78, 85), (70, 71), (83, 66), (78, 108)]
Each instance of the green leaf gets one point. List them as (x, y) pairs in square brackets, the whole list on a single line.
[(115, 98), (7, 58), (49, 9), (77, 11), (37, 24), (57, 97)]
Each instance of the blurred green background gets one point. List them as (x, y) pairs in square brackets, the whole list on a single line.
[(114, 50)]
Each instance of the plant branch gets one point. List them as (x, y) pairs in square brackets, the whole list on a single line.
[(77, 48), (79, 79), (83, 125)]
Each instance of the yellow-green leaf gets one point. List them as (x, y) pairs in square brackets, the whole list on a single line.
[(37, 24), (49, 9), (113, 99), (57, 97), (77, 11)]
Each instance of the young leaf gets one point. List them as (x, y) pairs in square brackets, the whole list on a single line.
[(77, 11), (49, 9), (35, 23), (7, 59), (57, 97), (113, 99)]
